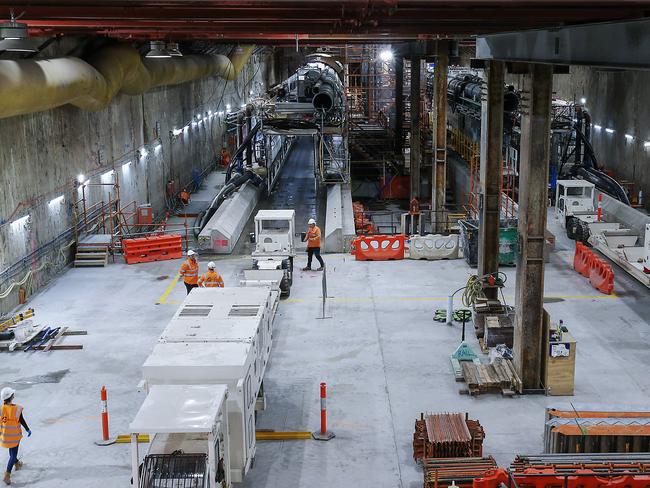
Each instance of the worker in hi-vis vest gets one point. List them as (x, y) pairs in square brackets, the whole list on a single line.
[(313, 245), (211, 279), (190, 271), (11, 431)]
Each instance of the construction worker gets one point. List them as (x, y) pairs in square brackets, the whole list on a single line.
[(211, 279), (225, 157), (190, 271), (11, 431), (313, 245), (185, 196)]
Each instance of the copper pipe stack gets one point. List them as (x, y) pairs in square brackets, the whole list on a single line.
[(447, 435)]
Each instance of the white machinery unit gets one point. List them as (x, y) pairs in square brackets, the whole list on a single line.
[(224, 228), (575, 208), (215, 363), (227, 315), (263, 277), (573, 197), (275, 245), (189, 444)]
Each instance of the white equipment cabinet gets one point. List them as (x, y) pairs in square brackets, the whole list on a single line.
[(243, 314), (214, 363), (189, 438)]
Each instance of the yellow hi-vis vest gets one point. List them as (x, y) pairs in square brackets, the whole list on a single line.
[(10, 430)]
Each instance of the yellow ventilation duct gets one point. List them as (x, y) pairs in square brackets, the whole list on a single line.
[(28, 86)]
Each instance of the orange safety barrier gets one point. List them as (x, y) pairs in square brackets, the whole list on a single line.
[(582, 259), (152, 248), (601, 276), (378, 248), (547, 478)]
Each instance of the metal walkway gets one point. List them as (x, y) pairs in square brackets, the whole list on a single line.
[(296, 189)]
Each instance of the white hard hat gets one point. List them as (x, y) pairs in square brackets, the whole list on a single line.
[(211, 265), (311, 221), (191, 253), (7, 393)]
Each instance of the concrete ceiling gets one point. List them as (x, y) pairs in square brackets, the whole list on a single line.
[(280, 21)]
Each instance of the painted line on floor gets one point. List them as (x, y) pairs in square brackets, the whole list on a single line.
[(170, 287), (438, 299)]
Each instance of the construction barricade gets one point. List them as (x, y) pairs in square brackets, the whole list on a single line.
[(433, 246), (601, 276), (152, 248), (599, 273), (378, 248)]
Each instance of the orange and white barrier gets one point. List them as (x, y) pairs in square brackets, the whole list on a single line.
[(378, 248)]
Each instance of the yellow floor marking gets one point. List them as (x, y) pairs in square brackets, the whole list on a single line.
[(438, 299), (172, 284)]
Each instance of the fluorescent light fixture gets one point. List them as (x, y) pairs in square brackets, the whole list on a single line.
[(198, 117), (19, 221), (210, 113), (172, 49), (609, 131), (56, 200), (386, 55), (220, 113), (108, 173), (177, 132), (157, 50), (126, 165), (81, 178), (629, 137), (195, 123), (143, 153), (228, 107), (583, 100), (597, 127), (646, 143), (186, 127), (157, 147), (250, 92)]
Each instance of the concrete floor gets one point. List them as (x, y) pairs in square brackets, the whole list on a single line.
[(384, 360)]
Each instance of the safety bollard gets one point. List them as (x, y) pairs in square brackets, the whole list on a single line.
[(323, 434), (104, 414)]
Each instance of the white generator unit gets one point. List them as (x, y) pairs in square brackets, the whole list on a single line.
[(242, 314), (215, 363), (189, 446), (275, 245)]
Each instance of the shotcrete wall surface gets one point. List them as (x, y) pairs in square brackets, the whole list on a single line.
[(41, 155)]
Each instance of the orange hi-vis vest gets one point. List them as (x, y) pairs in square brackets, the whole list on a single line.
[(313, 237), (190, 272), (211, 279), (10, 430)]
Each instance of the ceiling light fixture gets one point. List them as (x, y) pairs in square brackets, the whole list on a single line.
[(15, 37), (19, 221), (172, 49), (597, 127), (629, 137), (157, 50), (81, 178), (609, 131), (583, 100), (386, 55)]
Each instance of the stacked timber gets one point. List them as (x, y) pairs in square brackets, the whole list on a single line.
[(499, 376), (440, 473), (447, 435)]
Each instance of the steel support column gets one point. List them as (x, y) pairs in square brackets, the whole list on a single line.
[(416, 150), (533, 195), (438, 198), (491, 161), (399, 106)]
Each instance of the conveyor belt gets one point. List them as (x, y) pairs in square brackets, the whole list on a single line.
[(295, 189)]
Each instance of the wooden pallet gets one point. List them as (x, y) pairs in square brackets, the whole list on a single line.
[(496, 377)]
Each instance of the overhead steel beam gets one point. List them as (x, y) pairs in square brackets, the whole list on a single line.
[(611, 45)]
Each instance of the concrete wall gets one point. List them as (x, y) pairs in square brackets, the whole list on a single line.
[(618, 100), (41, 155)]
